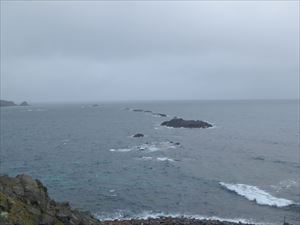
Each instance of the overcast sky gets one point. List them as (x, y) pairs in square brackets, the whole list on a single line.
[(104, 51)]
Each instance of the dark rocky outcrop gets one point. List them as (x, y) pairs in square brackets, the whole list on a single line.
[(178, 123), (24, 104), (138, 135), (25, 201), (4, 103)]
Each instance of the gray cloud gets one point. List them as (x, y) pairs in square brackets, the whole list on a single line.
[(88, 51)]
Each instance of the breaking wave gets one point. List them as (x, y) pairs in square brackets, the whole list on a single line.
[(165, 159), (152, 147), (253, 193)]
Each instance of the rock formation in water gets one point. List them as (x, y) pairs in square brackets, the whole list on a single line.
[(138, 135), (24, 104), (178, 123), (4, 103)]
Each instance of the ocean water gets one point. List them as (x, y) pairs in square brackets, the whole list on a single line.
[(244, 168)]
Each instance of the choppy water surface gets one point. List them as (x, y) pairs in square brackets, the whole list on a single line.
[(245, 167)]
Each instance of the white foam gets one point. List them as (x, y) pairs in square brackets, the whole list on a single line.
[(165, 159), (122, 215), (285, 184), (253, 193), (153, 147), (120, 150), (146, 158)]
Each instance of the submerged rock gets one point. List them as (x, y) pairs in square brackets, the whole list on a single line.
[(4, 103), (138, 135), (160, 114), (138, 110), (179, 122)]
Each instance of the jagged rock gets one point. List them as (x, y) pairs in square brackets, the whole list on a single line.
[(138, 135), (4, 103), (24, 200), (179, 122)]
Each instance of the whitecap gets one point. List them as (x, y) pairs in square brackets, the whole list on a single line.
[(120, 150), (146, 158), (165, 159), (152, 147), (285, 184), (253, 193)]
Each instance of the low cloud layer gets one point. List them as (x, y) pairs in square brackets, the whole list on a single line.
[(105, 51)]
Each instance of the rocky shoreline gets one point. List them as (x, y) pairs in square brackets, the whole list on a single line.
[(25, 201)]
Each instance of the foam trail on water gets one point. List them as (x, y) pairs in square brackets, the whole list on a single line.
[(253, 193)]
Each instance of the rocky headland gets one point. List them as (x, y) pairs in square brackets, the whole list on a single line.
[(181, 123), (25, 201)]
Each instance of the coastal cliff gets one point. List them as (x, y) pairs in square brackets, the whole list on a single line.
[(25, 201)]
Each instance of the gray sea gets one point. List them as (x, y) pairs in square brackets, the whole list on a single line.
[(245, 168)]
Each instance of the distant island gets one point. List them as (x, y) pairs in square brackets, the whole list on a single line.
[(5, 103)]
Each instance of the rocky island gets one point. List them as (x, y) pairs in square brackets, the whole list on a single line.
[(25, 201), (24, 104), (4, 103), (181, 123)]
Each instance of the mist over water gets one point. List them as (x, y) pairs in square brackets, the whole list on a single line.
[(245, 167)]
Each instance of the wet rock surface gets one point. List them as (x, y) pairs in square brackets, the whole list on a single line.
[(181, 123)]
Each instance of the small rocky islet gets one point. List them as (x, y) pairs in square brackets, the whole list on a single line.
[(181, 123), (25, 201), (138, 135), (5, 103)]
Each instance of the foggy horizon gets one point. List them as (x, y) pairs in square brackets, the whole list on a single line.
[(54, 52)]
